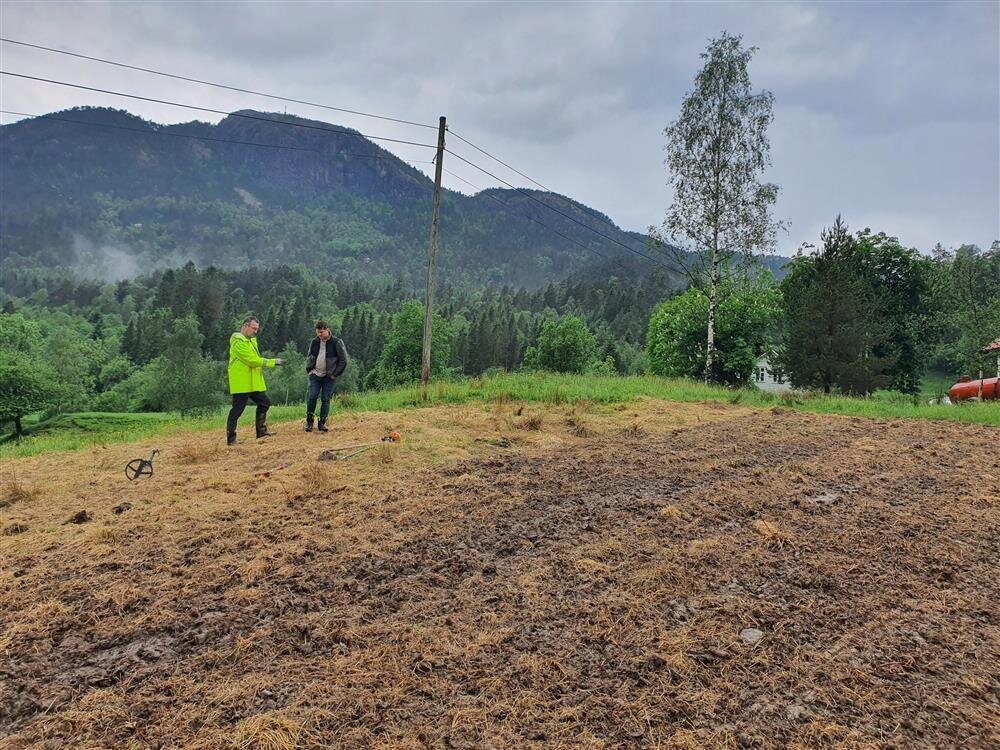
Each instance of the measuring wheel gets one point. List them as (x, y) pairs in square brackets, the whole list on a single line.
[(137, 468), (140, 467)]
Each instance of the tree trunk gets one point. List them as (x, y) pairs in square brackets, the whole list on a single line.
[(18, 431), (713, 287)]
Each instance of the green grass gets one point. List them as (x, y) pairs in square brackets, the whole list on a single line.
[(81, 429), (935, 385), (74, 431)]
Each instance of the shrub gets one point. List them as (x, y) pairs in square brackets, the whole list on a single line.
[(564, 345)]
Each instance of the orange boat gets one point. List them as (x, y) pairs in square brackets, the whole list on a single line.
[(966, 388)]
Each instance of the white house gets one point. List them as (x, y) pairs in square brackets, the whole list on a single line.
[(768, 378)]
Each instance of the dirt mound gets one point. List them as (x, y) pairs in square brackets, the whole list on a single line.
[(751, 580)]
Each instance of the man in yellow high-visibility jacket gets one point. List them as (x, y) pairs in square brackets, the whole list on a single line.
[(246, 378)]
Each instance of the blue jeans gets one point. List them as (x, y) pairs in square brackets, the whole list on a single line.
[(318, 385)]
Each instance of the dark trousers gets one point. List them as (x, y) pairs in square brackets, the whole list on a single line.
[(319, 388), (240, 403)]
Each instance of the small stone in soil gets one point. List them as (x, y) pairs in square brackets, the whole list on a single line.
[(751, 635)]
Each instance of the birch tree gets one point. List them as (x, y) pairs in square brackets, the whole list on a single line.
[(717, 150)]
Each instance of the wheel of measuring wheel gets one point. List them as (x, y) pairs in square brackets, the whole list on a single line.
[(138, 467)]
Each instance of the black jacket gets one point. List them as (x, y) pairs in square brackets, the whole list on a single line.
[(336, 356)]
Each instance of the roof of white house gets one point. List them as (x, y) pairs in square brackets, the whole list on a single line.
[(994, 347)]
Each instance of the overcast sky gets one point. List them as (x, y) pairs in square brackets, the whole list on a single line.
[(888, 113)]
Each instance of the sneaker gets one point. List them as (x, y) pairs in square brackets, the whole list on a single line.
[(266, 433)]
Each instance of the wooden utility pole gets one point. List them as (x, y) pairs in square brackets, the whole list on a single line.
[(425, 371)]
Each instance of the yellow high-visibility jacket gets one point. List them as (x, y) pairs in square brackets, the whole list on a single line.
[(246, 366)]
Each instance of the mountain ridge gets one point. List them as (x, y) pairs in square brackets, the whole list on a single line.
[(253, 189)]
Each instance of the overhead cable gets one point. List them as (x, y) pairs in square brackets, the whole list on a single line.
[(217, 85), (498, 161), (306, 103), (540, 223), (553, 208), (517, 171)]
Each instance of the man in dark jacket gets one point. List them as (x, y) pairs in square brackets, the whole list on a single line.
[(326, 361)]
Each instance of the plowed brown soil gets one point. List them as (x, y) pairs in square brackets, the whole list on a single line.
[(661, 576)]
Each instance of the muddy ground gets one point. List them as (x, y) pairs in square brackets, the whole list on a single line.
[(662, 576)]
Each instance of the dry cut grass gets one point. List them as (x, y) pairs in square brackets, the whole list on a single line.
[(16, 491), (697, 576)]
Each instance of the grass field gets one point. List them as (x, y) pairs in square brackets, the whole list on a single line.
[(585, 568), (75, 431)]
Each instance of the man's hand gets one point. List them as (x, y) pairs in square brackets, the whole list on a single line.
[(279, 361)]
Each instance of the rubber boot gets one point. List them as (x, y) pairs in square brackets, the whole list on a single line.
[(261, 425)]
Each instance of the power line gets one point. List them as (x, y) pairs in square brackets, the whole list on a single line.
[(199, 137), (216, 85), (516, 171), (215, 111), (540, 223), (499, 161), (553, 208)]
